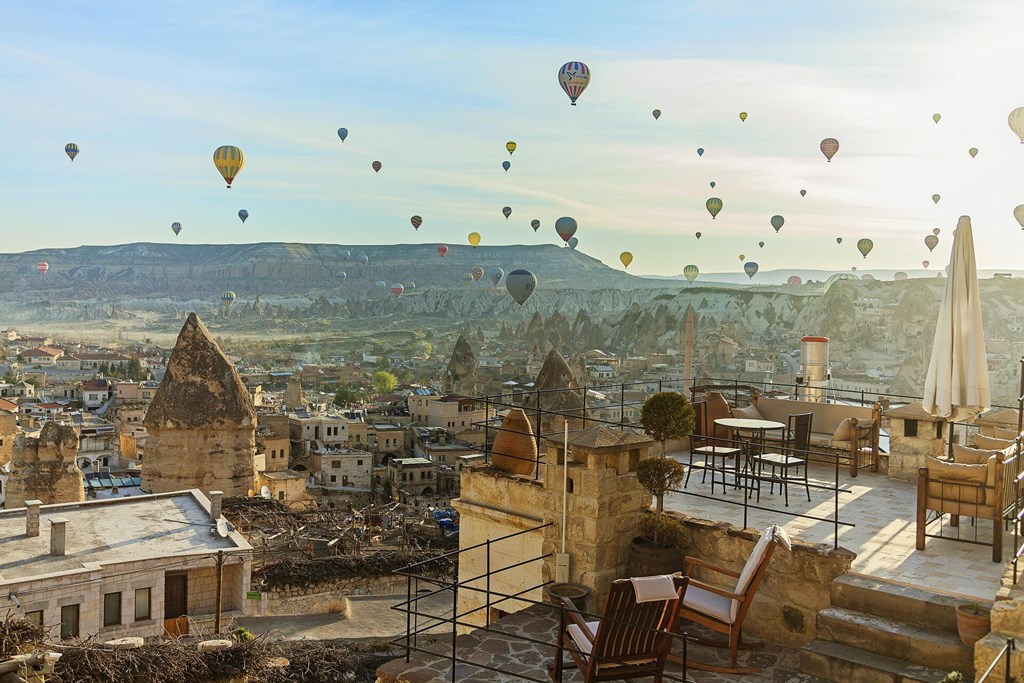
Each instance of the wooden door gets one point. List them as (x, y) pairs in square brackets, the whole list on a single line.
[(175, 605)]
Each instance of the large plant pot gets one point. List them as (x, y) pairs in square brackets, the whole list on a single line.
[(973, 623), (577, 592), (647, 559), (514, 449)]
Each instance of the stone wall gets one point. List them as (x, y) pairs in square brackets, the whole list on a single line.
[(795, 587), (324, 597), (8, 433), (45, 468)]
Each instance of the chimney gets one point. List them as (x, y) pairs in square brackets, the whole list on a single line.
[(58, 528), (32, 517), (215, 499)]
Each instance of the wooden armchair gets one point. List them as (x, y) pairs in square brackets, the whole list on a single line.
[(631, 640), (723, 610)]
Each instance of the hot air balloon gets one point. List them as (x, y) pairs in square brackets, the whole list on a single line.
[(510, 146), (1016, 121), (973, 151), (42, 267), (697, 235), (777, 222), (535, 224), (854, 269), (626, 258), (467, 279), (936, 117), (936, 198), (520, 283), (376, 166), (838, 277), (574, 77), (714, 205), (839, 240), (926, 264), (342, 275), (750, 268), (228, 297), (416, 221), (381, 284), (803, 193), (712, 184), (477, 272), (867, 277), (507, 211), (742, 256), (864, 246), (229, 160), (691, 272), (936, 231), (363, 259), (494, 274), (345, 254), (700, 151), (410, 286), (829, 147), (474, 239), (343, 133), (442, 249), (397, 289), (899, 276), (71, 149), (176, 227), (794, 280), (761, 244), (657, 114), (243, 214), (506, 165), (931, 241), (566, 227), (743, 116), (573, 242), (1018, 213)]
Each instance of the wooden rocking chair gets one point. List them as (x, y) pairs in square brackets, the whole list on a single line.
[(722, 610), (631, 640)]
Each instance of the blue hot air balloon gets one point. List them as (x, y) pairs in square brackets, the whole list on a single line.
[(750, 268), (573, 242), (243, 214), (506, 165), (343, 133), (520, 283)]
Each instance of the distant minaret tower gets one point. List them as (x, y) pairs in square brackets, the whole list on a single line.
[(688, 349)]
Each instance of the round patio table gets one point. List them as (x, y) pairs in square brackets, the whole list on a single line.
[(749, 427)]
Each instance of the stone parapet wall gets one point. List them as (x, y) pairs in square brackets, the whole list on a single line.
[(325, 597), (795, 588)]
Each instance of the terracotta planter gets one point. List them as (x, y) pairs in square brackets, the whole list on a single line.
[(972, 625), (647, 559), (515, 449)]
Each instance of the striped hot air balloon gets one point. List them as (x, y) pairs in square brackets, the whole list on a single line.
[(42, 267), (477, 272), (442, 249), (229, 160), (574, 77), (71, 149), (864, 246), (691, 272), (714, 205), (376, 166), (829, 147), (416, 221), (176, 227)]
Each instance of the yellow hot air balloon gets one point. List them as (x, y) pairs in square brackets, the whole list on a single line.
[(973, 151), (743, 116), (474, 239), (229, 160), (713, 205), (691, 272), (626, 258), (510, 146), (936, 117)]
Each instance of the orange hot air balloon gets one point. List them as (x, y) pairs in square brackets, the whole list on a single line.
[(42, 267)]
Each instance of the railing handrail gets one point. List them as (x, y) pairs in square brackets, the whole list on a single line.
[(1003, 652)]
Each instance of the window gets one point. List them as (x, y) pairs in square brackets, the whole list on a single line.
[(34, 617), (111, 609), (69, 622), (280, 495), (358, 462), (334, 478), (910, 428), (142, 607), (335, 464)]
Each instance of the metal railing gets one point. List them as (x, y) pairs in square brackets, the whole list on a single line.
[(1004, 656)]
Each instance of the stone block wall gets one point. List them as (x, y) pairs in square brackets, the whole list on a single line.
[(795, 587), (316, 599)]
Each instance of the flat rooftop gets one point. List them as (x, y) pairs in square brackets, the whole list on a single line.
[(111, 531)]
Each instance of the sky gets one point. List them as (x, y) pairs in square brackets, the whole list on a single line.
[(433, 90)]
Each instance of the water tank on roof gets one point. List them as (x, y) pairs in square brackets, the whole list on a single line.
[(814, 370)]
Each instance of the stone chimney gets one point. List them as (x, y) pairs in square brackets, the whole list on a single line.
[(216, 498), (32, 517), (58, 528)]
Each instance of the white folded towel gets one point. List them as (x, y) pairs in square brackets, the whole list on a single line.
[(652, 588)]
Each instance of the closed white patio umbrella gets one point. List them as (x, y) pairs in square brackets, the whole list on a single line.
[(958, 371)]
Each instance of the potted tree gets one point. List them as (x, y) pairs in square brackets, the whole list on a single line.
[(972, 622), (656, 549)]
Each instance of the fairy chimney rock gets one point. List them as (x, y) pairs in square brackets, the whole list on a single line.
[(45, 468), (294, 398), (460, 375), (201, 423), (557, 396)]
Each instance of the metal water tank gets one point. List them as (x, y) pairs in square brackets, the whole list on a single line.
[(814, 371)]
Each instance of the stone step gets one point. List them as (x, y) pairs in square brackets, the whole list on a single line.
[(844, 664), (891, 638), (907, 604)]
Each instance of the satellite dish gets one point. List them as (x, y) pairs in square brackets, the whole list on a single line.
[(222, 527), (265, 492)]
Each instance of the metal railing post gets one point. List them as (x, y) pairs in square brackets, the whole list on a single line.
[(455, 622), (487, 615), (408, 617), (1010, 646)]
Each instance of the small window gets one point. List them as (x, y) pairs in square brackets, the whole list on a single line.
[(334, 478), (142, 607), (68, 622), (938, 430), (111, 609), (280, 495), (910, 428), (34, 617), (335, 464)]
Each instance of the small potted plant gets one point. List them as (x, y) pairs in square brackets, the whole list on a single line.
[(972, 622), (953, 677)]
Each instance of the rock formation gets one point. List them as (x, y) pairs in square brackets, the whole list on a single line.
[(558, 395), (294, 398), (44, 467), (460, 375), (8, 432), (201, 423)]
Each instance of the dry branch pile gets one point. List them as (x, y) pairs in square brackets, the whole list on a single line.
[(321, 570)]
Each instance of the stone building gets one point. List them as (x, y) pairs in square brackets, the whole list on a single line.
[(201, 423), (460, 375), (45, 467), (294, 397)]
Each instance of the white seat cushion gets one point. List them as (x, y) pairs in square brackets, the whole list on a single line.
[(747, 575), (706, 602), (722, 451), (779, 459), (580, 639)]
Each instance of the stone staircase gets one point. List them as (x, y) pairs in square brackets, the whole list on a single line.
[(879, 632)]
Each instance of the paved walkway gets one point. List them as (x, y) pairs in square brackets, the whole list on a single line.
[(884, 538)]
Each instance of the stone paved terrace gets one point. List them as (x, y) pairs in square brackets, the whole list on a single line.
[(503, 648), (884, 511)]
